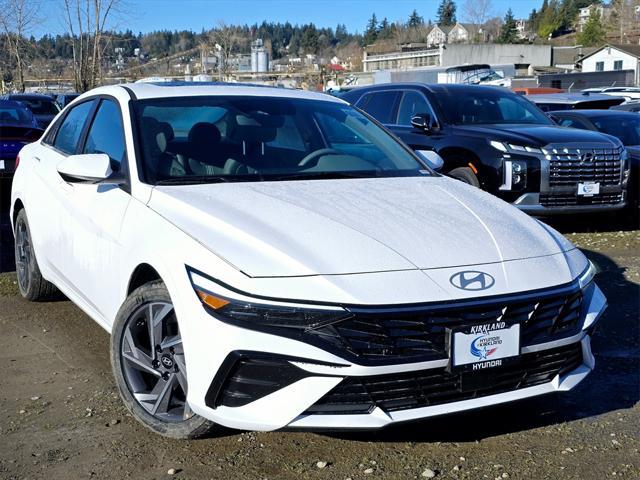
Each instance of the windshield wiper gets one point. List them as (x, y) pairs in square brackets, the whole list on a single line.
[(193, 180)]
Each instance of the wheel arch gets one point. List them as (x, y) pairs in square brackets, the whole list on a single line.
[(142, 274), (17, 206)]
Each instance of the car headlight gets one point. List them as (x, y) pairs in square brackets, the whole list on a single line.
[(514, 148), (254, 312), (514, 175)]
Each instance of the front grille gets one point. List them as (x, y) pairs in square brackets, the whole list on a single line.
[(421, 335), (570, 166), (425, 388), (569, 199)]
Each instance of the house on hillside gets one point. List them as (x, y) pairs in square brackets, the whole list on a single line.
[(438, 35), (458, 33), (585, 13), (614, 57)]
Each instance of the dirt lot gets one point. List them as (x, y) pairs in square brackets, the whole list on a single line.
[(60, 416)]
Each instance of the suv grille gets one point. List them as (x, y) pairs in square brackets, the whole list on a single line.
[(568, 199), (569, 166), (421, 335), (424, 388)]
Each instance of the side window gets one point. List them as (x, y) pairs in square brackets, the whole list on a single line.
[(567, 122), (412, 103), (381, 105), (106, 134), (70, 130)]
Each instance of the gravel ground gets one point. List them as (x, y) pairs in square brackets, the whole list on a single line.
[(60, 416)]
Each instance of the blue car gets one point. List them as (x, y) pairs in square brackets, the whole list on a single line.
[(18, 127), (43, 107)]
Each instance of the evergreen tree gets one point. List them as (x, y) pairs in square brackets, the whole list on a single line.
[(509, 31), (447, 13), (593, 34), (371, 32), (415, 20)]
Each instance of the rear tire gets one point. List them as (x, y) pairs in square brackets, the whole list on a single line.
[(466, 175), (30, 282), (148, 364)]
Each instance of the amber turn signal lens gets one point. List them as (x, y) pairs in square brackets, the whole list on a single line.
[(211, 301)]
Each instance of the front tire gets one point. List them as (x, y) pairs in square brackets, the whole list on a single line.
[(31, 284), (466, 175), (148, 363)]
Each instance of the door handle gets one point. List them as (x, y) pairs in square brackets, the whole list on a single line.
[(36, 158)]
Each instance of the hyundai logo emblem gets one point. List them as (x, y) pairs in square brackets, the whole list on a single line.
[(587, 157), (472, 280)]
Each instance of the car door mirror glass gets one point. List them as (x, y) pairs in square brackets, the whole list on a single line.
[(421, 121), (85, 168), (432, 159)]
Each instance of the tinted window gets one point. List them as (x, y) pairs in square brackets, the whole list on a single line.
[(626, 128), (69, 132), (263, 138), (14, 115), (568, 122), (106, 134), (412, 103), (40, 106), (380, 105), (488, 105)]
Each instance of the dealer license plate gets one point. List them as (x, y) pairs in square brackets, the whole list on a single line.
[(489, 345), (588, 189)]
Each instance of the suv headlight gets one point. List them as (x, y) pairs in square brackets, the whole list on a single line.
[(514, 175), (513, 148), (254, 313)]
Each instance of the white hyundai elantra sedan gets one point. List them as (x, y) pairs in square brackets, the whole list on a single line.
[(267, 258)]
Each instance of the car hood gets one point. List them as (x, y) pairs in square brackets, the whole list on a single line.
[(535, 135), (329, 227)]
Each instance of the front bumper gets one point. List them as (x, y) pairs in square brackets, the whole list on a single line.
[(531, 204), (315, 372), (556, 173)]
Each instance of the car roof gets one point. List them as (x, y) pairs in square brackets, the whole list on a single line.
[(142, 91), (570, 98), (432, 87), (13, 104), (595, 113), (28, 96)]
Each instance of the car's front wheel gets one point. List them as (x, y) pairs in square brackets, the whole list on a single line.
[(149, 364)]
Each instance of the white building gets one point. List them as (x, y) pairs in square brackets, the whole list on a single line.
[(585, 13), (614, 57), (440, 34)]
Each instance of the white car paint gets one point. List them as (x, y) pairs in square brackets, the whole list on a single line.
[(383, 241)]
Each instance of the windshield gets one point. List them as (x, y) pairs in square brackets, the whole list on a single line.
[(40, 106), (626, 128), (14, 115), (250, 138), (486, 105)]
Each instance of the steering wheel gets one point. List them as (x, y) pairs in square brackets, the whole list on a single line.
[(317, 154)]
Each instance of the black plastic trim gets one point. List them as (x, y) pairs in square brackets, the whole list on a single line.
[(216, 389)]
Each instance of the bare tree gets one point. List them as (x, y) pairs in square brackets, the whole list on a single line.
[(477, 13), (224, 40), (17, 19), (87, 22), (623, 16)]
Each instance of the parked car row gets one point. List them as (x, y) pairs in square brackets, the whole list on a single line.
[(267, 258), (501, 142)]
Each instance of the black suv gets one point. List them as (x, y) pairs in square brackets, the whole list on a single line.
[(492, 138)]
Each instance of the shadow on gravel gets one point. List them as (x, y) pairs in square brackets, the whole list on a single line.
[(7, 261), (614, 385)]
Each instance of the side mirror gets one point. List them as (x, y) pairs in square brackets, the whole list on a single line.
[(432, 159), (86, 168), (421, 121)]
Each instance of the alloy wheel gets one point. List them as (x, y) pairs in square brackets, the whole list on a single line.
[(23, 255), (153, 362)]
